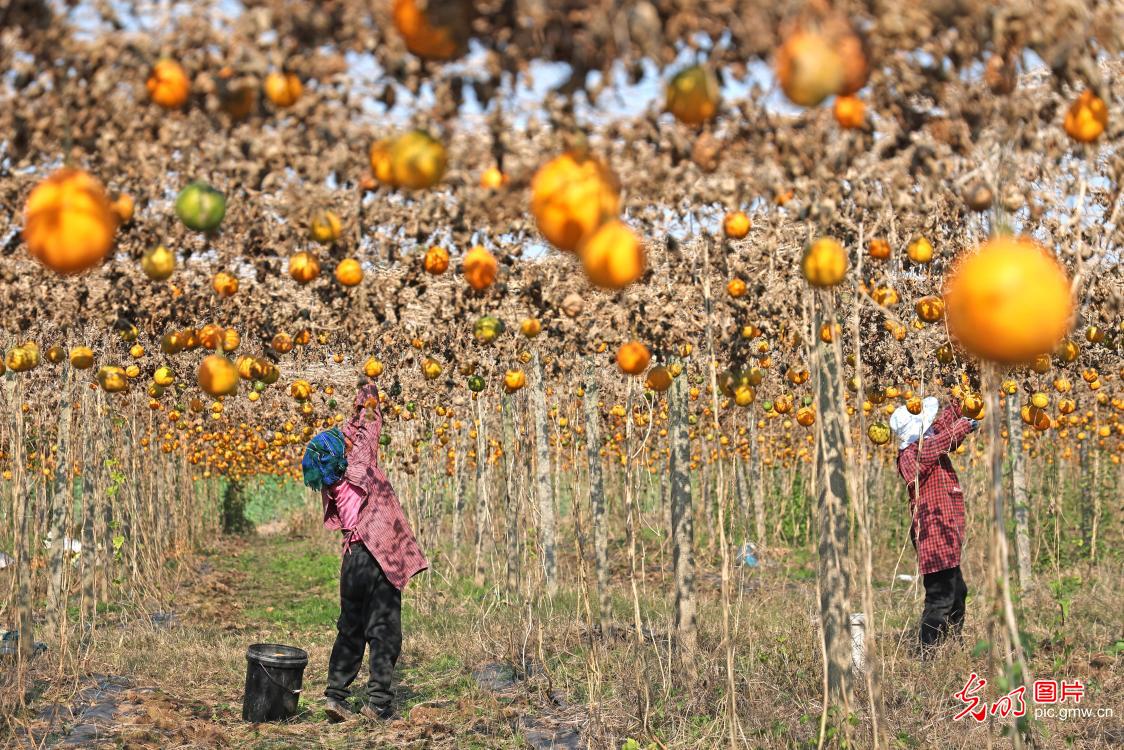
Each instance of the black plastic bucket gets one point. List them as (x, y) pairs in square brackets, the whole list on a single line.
[(274, 674)]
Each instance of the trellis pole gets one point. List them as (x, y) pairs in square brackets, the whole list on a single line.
[(543, 489)]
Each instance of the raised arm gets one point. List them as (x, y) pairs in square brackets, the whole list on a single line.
[(363, 430)]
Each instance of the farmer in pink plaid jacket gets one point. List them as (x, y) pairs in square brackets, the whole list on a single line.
[(936, 503), (380, 556)]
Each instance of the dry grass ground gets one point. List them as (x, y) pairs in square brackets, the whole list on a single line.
[(186, 676)]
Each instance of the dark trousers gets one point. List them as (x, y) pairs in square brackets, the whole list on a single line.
[(370, 615), (945, 592)]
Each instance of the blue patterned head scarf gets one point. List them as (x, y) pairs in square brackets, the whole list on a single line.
[(325, 459)]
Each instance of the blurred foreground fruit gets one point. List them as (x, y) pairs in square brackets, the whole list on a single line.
[(613, 257), (1008, 300), (813, 64), (68, 223), (217, 375), (572, 195), (633, 358)]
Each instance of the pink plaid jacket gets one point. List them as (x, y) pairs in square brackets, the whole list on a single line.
[(936, 500), (382, 526)]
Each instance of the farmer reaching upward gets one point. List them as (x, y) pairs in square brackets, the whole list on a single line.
[(380, 555), (936, 503)]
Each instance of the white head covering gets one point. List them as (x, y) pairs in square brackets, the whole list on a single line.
[(910, 427)]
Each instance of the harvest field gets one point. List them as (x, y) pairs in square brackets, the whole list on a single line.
[(639, 285)]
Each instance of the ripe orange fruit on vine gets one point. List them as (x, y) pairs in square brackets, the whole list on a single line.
[(349, 272), (372, 368), (380, 162), (736, 225), (493, 179), (163, 377), (23, 358), (168, 84), (513, 380), (633, 358), (217, 375), (530, 327), (1036, 417), (972, 406), (281, 343), (572, 195), (736, 288), (886, 296), (325, 227), (613, 257), (431, 368), (436, 260), (112, 379), (480, 268), (304, 267), (417, 160), (300, 390), (283, 89), (806, 416), (920, 250), (692, 95), (849, 112), (929, 309), (1086, 118), (434, 30), (81, 358), (230, 340), (878, 249), (879, 433), (1008, 300), (68, 223), (659, 379), (123, 207), (824, 263), (236, 99), (158, 263)]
